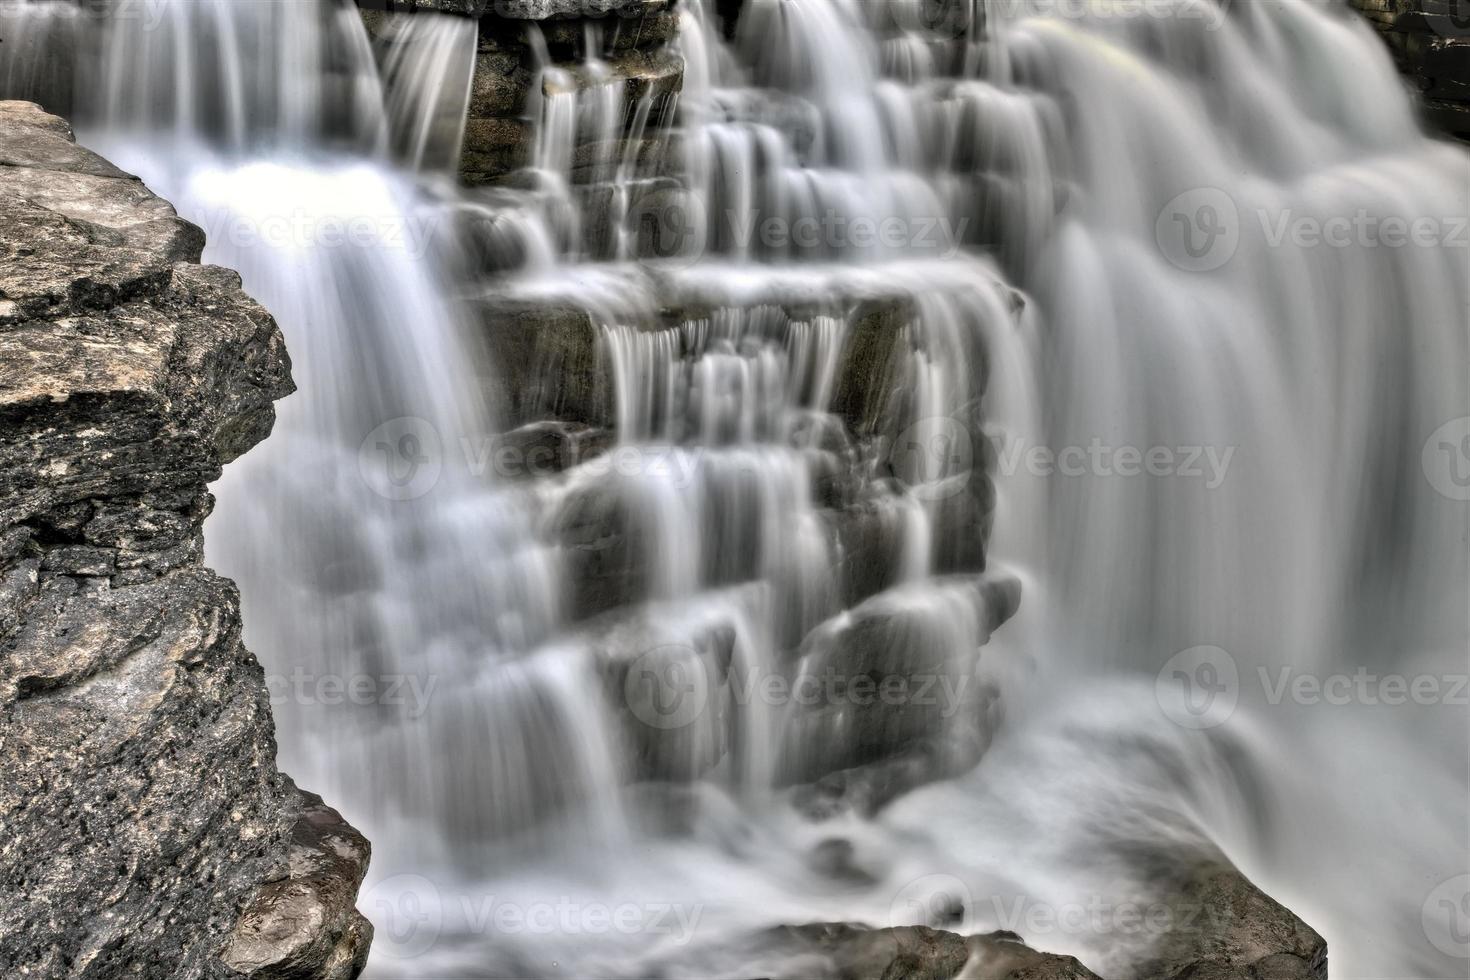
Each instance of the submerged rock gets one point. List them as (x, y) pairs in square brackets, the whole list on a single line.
[(142, 809)]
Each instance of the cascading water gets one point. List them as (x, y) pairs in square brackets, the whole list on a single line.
[(1072, 225)]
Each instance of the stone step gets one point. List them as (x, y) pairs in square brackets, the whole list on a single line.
[(861, 688), (554, 344), (610, 538)]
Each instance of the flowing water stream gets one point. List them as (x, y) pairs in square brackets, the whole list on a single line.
[(1215, 454)]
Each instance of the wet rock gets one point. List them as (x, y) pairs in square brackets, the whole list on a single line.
[(1430, 43), (606, 561), (302, 922), (865, 790), (632, 53), (552, 353), (870, 366), (496, 147), (669, 677), (1227, 929), (542, 449), (835, 858), (897, 670), (1223, 929), (869, 537), (143, 809), (842, 951)]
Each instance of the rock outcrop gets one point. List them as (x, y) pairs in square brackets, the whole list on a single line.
[(841, 951), (147, 831), (1430, 42), (1220, 927), (1227, 929)]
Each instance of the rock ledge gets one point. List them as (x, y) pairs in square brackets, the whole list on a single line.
[(143, 810)]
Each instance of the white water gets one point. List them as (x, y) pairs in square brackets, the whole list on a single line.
[(1063, 144)]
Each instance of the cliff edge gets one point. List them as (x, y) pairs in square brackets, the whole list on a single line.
[(147, 831)]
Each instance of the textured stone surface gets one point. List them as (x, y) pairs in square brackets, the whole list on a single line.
[(142, 807), (841, 951), (1223, 928), (301, 922), (1230, 930)]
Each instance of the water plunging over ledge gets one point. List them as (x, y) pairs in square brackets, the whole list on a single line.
[(801, 441)]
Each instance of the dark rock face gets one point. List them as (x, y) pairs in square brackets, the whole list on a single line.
[(1430, 42), (142, 810), (498, 134), (302, 922)]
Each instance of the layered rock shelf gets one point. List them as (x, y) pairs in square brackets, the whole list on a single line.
[(518, 37), (147, 830)]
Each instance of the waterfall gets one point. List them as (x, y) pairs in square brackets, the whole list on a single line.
[(1169, 300), (428, 70)]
